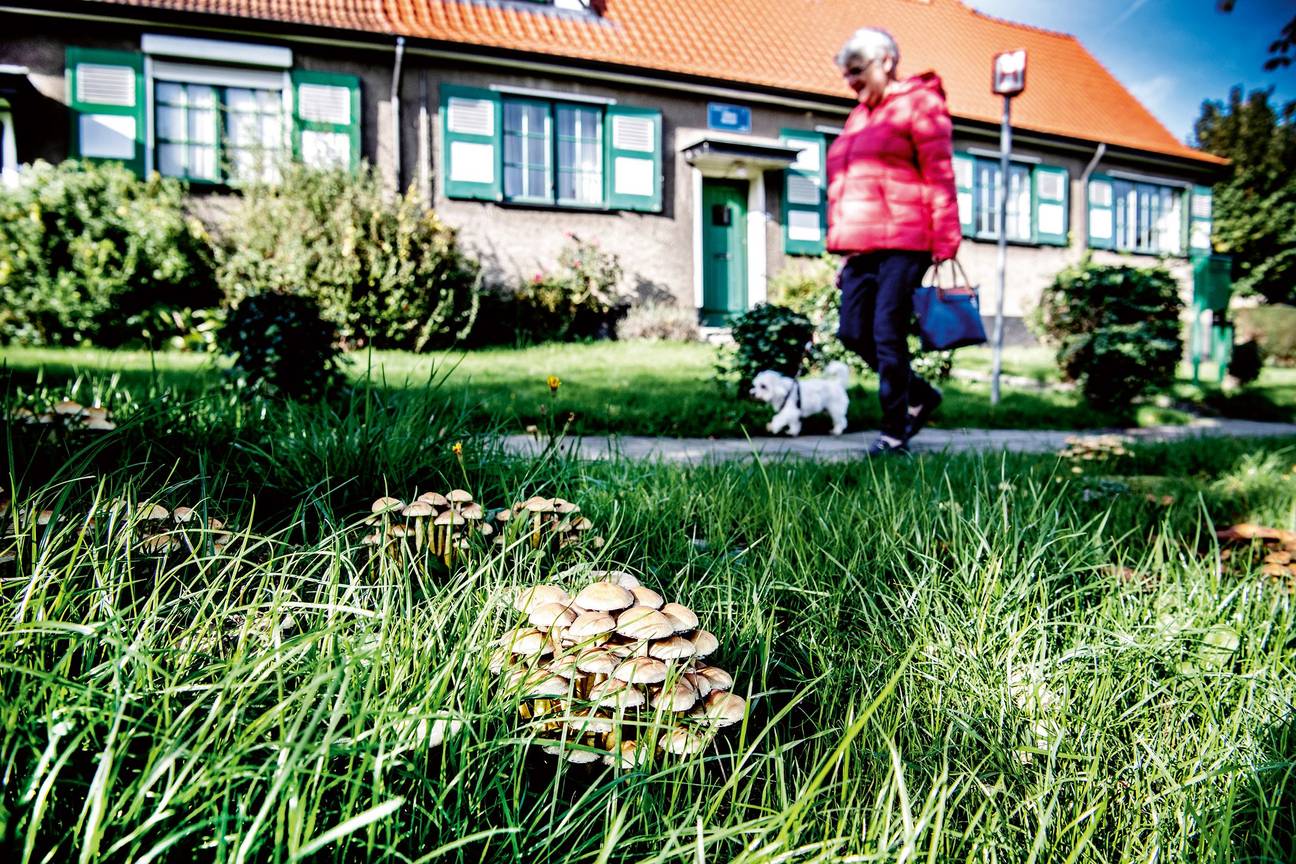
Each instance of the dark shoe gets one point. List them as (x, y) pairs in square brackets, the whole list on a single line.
[(881, 447), (916, 422)]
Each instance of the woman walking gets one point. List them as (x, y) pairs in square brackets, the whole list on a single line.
[(893, 208)]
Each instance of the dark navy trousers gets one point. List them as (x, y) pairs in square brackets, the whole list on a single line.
[(876, 307)]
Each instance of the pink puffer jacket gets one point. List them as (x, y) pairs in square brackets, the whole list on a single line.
[(891, 175)]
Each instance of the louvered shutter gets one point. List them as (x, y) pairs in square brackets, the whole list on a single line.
[(106, 97), (471, 131), (1200, 220), (805, 226), (634, 158), (1101, 213), (1050, 198), (964, 184), (326, 119)]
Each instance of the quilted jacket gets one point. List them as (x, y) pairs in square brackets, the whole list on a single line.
[(891, 175)]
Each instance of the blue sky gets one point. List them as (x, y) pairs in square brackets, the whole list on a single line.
[(1171, 54)]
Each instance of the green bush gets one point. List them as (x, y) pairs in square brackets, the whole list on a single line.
[(91, 254), (1273, 328), (766, 336), (383, 269), (1116, 330), (1247, 362), (579, 299), (282, 346)]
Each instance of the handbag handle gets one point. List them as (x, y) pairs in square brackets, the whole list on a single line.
[(956, 271)]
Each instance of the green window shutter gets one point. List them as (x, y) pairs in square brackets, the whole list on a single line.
[(634, 158), (1101, 213), (326, 119), (805, 226), (964, 184), (471, 131), (106, 98), (1050, 200), (1200, 220)]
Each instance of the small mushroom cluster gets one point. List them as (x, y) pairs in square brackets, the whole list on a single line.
[(448, 524), (1094, 448), (68, 415), (156, 530), (1274, 549), (614, 670)]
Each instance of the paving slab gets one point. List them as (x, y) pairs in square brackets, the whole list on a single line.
[(852, 445)]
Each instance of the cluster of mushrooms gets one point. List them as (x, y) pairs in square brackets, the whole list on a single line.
[(1245, 544), (68, 415), (154, 527), (1094, 448), (614, 672), (448, 524)]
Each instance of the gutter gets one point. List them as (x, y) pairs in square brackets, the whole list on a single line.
[(1084, 188)]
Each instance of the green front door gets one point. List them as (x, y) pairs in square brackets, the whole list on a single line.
[(724, 251)]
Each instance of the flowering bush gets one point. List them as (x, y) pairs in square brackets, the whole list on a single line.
[(92, 254), (579, 299)]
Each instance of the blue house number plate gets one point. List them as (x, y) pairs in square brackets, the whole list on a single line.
[(728, 118)]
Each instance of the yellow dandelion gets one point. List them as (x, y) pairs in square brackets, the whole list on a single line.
[(458, 448), (554, 383)]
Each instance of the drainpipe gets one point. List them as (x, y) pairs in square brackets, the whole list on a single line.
[(395, 110), (1084, 188)]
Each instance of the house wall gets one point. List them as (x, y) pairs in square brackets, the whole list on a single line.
[(656, 249)]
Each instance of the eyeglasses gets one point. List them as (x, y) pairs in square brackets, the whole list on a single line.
[(856, 71)]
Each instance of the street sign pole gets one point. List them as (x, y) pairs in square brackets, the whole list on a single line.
[(1008, 80), (1005, 147)]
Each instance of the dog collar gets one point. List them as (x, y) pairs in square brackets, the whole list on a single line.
[(796, 391)]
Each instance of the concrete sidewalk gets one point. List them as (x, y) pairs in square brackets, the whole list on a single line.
[(852, 445)]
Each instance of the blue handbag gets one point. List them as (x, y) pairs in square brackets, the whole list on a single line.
[(949, 316)]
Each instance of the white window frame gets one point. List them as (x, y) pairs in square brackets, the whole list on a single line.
[(1021, 169), (8, 148), (1129, 229)]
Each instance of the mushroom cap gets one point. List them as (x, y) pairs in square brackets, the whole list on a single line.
[(583, 524), (100, 424), (564, 507), (417, 509), (647, 597), (154, 512), (373, 539), (500, 659), (527, 641), (564, 665), (472, 511), (616, 577), (701, 684), (182, 514), (441, 729), (605, 597), (597, 661), (640, 622), (538, 504), (386, 504), (641, 670), (458, 496), (681, 742), (681, 696), (449, 517), (399, 531), (718, 678), (616, 693), (590, 625), (504, 515), (436, 499), (619, 646), (682, 617), (95, 411), (721, 709), (485, 529), (583, 724), (550, 615), (546, 687), (626, 755), (538, 595), (671, 648), (68, 406), (704, 642), (572, 754)]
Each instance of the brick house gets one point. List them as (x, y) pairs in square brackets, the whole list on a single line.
[(687, 136)]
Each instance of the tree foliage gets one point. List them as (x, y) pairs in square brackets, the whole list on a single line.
[(1255, 209)]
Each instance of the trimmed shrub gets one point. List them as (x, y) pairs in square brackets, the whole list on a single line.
[(1247, 362), (1273, 327), (658, 321), (282, 346), (1116, 330), (766, 336), (382, 269), (91, 254)]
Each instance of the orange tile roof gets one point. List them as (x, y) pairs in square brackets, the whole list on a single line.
[(786, 44)]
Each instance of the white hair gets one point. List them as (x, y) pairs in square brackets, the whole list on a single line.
[(869, 44)]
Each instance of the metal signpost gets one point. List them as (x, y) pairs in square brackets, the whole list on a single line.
[(1009, 80)]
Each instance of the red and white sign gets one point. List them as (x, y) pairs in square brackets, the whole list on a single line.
[(1010, 73)]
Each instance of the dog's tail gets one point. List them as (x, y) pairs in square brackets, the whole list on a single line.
[(838, 370)]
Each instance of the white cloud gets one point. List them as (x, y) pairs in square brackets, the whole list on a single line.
[(1157, 94)]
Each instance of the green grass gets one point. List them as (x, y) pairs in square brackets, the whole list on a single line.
[(940, 661), (659, 389)]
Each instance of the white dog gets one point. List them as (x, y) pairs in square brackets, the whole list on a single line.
[(794, 398)]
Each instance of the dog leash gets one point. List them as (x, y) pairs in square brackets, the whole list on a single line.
[(796, 391)]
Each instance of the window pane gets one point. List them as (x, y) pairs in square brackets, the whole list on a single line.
[(202, 97), (172, 94), (512, 149), (202, 162), (239, 100), (512, 181), (566, 153), (170, 123), (202, 126), (171, 160)]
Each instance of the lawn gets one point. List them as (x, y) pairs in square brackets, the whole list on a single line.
[(643, 388), (1005, 658)]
